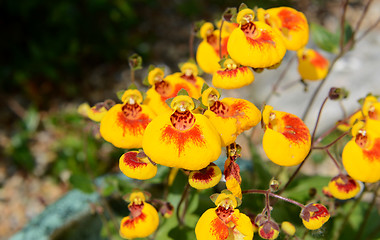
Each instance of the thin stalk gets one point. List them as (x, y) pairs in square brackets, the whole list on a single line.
[(332, 143), (367, 213), (269, 193), (342, 24), (318, 118), (132, 75), (334, 160), (368, 30), (293, 175), (184, 195)]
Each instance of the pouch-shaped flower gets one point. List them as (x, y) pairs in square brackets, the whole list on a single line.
[(136, 165), (124, 124), (205, 178), (287, 139), (314, 215), (343, 187), (189, 73), (255, 43), (182, 139), (290, 23), (312, 65)]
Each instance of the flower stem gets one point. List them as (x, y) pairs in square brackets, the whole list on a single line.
[(269, 193), (334, 160), (220, 39), (332, 143), (318, 118), (183, 197)]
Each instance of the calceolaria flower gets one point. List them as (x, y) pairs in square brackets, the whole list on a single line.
[(143, 219), (314, 215), (312, 65), (287, 139), (230, 116), (224, 222), (255, 43), (343, 187), (182, 139), (189, 73), (164, 88), (124, 124), (269, 230), (232, 76), (289, 22), (206, 177), (371, 108), (232, 176), (137, 165), (209, 49), (361, 155), (288, 228)]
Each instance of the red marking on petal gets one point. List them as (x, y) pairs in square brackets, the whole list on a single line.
[(131, 160), (182, 120), (291, 20), (295, 130), (257, 37), (132, 120), (232, 170), (266, 235), (191, 79), (131, 222), (163, 88), (319, 61), (177, 88), (220, 109), (224, 214), (373, 154), (320, 213), (213, 40), (219, 229), (232, 72), (171, 135), (345, 184), (205, 175)]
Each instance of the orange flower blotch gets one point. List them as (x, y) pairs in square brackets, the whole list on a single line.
[(124, 124), (312, 65), (343, 187), (224, 222), (269, 230), (182, 139), (291, 24), (134, 166), (232, 76), (205, 178), (209, 49), (255, 43), (142, 221), (361, 155), (167, 88), (287, 139), (314, 215)]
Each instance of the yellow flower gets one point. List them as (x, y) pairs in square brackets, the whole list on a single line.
[(287, 139), (208, 50), (361, 155), (206, 177), (224, 221), (124, 124), (371, 108), (164, 89), (232, 176), (312, 65), (290, 23), (189, 73), (136, 166), (314, 215), (232, 76), (254, 43), (182, 139), (343, 187), (142, 221), (230, 116)]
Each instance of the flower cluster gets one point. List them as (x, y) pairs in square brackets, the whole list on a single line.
[(182, 123)]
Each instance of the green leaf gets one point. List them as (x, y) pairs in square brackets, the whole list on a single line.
[(204, 87), (324, 39), (120, 94), (299, 189), (182, 92), (242, 6), (229, 15), (82, 182)]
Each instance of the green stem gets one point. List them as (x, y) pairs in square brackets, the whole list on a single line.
[(220, 39)]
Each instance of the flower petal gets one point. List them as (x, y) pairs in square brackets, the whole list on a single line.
[(205, 178), (138, 168)]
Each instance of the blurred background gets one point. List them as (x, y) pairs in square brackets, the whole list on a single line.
[(55, 55)]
